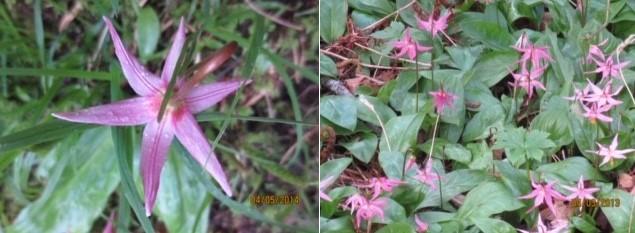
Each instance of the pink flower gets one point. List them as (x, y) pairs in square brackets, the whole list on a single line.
[(611, 152), (411, 162), (578, 94), (581, 192), (382, 183), (603, 97), (109, 225), (354, 201), (365, 209), (596, 112), (531, 52), (608, 68), (434, 26), (427, 175), (529, 80), (421, 225), (559, 227), (178, 121), (442, 99), (325, 184), (409, 46), (595, 53), (543, 194)]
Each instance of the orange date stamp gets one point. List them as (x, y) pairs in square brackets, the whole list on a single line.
[(288, 199), (600, 202)]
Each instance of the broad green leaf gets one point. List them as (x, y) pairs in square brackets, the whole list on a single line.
[(478, 202), (45, 132), (464, 58), (489, 33), (401, 133), (516, 180), (485, 123), (554, 119), (454, 183), (341, 110), (457, 153), (621, 217), (181, 201), (364, 148), (374, 6), (400, 227), (392, 32), (572, 168), (337, 225), (383, 111), (521, 145), (147, 31), (408, 196), (82, 190), (392, 162), (334, 167), (493, 225), (332, 19), (327, 66), (393, 212), (585, 224), (492, 67)]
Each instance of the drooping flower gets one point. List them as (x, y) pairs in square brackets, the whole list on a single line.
[(596, 53), (580, 192), (596, 112), (531, 52), (369, 209), (409, 46), (603, 97), (608, 68), (434, 26), (325, 184), (427, 175), (178, 121), (382, 184), (421, 225), (442, 99), (579, 95), (354, 201), (543, 194), (529, 80), (559, 227), (611, 152)]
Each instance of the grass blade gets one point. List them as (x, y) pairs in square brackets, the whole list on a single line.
[(217, 116), (36, 72), (46, 132)]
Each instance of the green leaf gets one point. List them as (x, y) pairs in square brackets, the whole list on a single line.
[(182, 203), (454, 183), (327, 66), (401, 133), (400, 227), (457, 153), (45, 132), (554, 119), (392, 162), (338, 225), (255, 44), (341, 110), (572, 168), (487, 32), (364, 148), (478, 202), (61, 73), (585, 224), (81, 192), (623, 216), (365, 114), (147, 32), (493, 225), (392, 32), (492, 67), (333, 19), (520, 144), (393, 212), (334, 167)]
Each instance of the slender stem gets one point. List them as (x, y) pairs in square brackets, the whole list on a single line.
[(630, 93), (369, 226), (434, 135), (373, 25), (392, 57), (417, 81)]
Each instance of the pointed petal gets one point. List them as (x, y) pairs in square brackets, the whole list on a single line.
[(205, 96), (155, 145), (109, 225), (141, 80), (175, 51), (191, 136), (134, 111)]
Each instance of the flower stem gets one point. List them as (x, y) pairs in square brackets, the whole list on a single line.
[(434, 134)]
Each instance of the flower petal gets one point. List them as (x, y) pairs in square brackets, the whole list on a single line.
[(134, 111), (191, 136), (155, 145), (141, 80), (175, 51), (205, 96)]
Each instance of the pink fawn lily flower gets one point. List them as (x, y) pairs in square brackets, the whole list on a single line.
[(608, 68), (421, 225), (580, 192), (382, 184), (596, 112), (369, 209), (530, 52), (109, 225), (442, 99), (325, 184), (178, 121), (579, 95), (595, 53), (559, 227), (603, 97), (427, 175), (434, 26), (543, 194), (611, 152), (528, 80), (354, 201), (409, 46)]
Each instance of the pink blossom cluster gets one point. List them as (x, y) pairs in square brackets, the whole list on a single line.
[(533, 63)]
